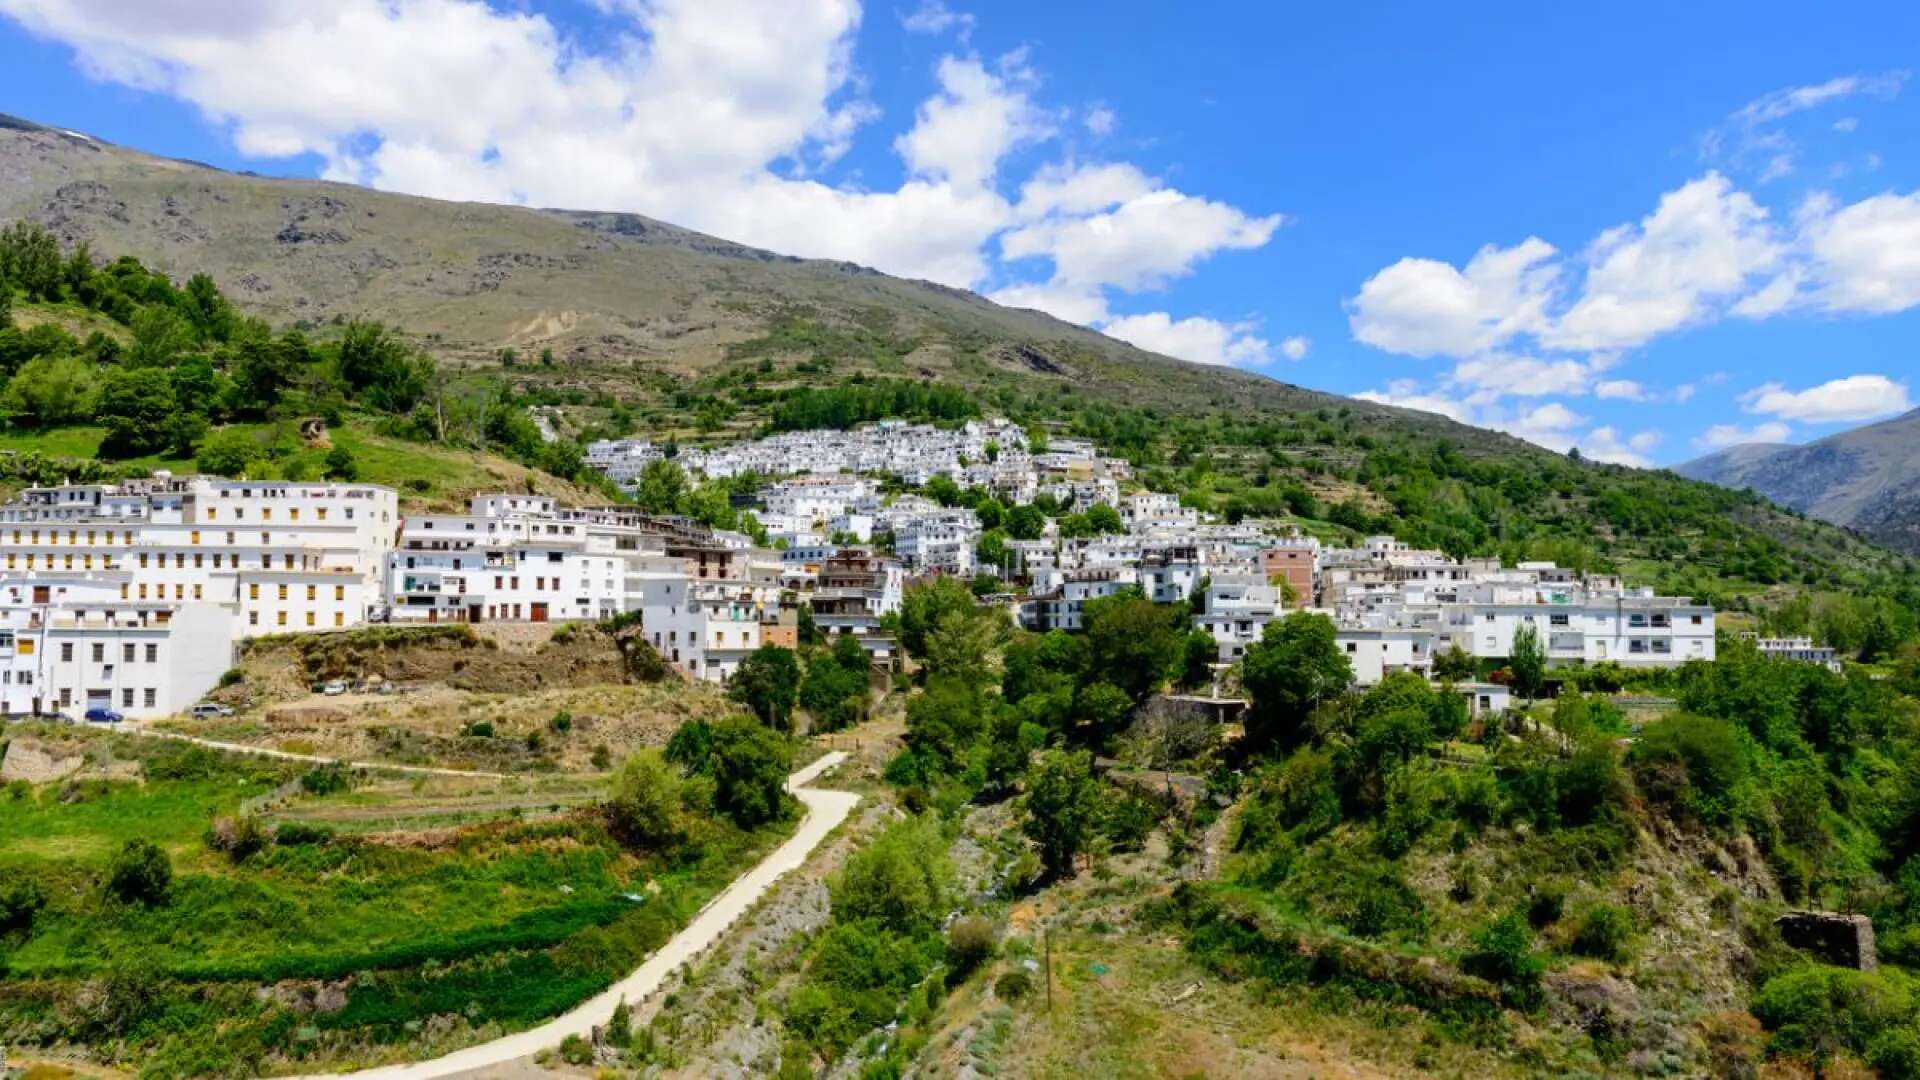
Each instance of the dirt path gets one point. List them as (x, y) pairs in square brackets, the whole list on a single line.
[(824, 811), (288, 755)]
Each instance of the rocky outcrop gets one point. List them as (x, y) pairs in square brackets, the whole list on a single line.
[(37, 764), (1840, 940)]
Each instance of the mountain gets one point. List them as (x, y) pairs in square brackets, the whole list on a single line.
[(1867, 479), (600, 290)]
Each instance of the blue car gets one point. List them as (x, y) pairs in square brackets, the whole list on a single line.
[(103, 716)]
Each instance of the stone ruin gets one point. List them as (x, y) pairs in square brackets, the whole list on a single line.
[(1840, 940)]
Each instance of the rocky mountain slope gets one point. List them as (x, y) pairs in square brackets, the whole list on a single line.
[(597, 289), (1867, 479)]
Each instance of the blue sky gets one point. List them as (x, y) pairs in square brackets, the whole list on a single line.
[(1646, 230)]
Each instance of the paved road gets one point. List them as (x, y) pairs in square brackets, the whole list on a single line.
[(824, 810), (288, 755)]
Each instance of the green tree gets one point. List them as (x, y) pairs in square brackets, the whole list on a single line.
[(1296, 665), (965, 646), (1199, 654), (160, 336), (1455, 664), (1105, 520), (768, 683), (662, 488), (48, 391), (1134, 643), (643, 804), (1061, 804), (134, 406), (901, 880), (1026, 522), (229, 452), (749, 763), (380, 368), (924, 604), (1528, 661)]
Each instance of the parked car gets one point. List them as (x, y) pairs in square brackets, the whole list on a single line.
[(334, 688), (211, 708), (103, 716)]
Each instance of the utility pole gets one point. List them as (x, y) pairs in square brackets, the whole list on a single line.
[(1046, 941)]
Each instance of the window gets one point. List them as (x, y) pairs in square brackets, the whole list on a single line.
[(66, 652), (127, 652), (143, 591), (339, 592), (280, 619), (143, 560), (253, 590), (339, 619), (196, 592), (153, 653), (126, 698), (196, 536), (25, 648), (313, 592), (321, 513), (199, 560), (150, 697), (99, 652), (309, 618), (283, 592), (212, 512), (253, 618)]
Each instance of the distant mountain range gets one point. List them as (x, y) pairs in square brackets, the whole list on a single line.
[(1867, 479)]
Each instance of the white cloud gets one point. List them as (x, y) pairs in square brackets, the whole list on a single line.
[(1101, 121), (1295, 347), (1084, 306), (1141, 243), (962, 132), (1523, 376), (1784, 103), (1620, 390), (1856, 397), (934, 17), (1406, 394), (1201, 340), (1424, 307), (1704, 241), (1721, 436), (719, 115), (1605, 444), (1847, 124), (1866, 256), (1684, 393)]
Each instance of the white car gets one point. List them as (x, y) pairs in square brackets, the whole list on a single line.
[(207, 709), (334, 688)]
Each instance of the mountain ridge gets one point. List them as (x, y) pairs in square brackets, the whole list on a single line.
[(1866, 478), (473, 279)]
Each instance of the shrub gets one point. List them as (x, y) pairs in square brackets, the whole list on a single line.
[(1503, 953), (140, 874), (1546, 904), (1694, 764), (297, 833), (1605, 933), (1814, 1009), (21, 898), (562, 722), (971, 942), (643, 806), (1014, 985), (237, 837), (329, 779), (479, 729), (575, 1050)]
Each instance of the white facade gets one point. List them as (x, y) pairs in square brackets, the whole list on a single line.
[(72, 645), (279, 556), (1236, 609)]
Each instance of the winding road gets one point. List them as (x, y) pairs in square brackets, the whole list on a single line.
[(824, 811)]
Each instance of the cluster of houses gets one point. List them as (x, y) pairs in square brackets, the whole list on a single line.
[(131, 597)]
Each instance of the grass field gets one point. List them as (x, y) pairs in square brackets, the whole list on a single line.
[(488, 904)]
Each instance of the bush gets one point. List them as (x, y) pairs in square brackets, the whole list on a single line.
[(21, 898), (1694, 764), (1815, 1009), (643, 807), (972, 941), (238, 837), (479, 729), (1546, 904), (140, 874), (1014, 985), (1605, 933), (298, 833), (1503, 953), (562, 722), (329, 779), (575, 1050)]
